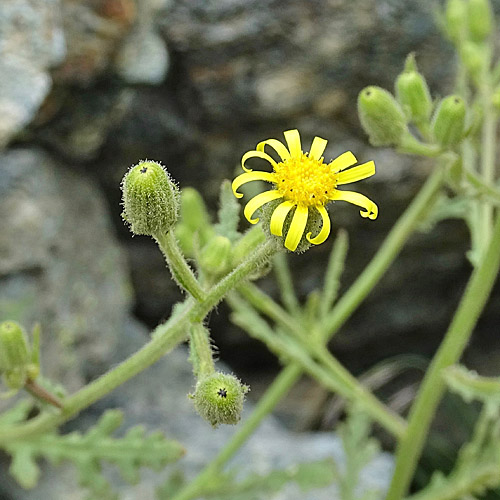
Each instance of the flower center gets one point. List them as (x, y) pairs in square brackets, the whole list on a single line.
[(305, 181)]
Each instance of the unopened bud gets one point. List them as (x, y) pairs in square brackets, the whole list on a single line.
[(215, 255), (219, 398), (413, 93), (449, 121), (14, 350), (456, 20), (150, 199), (480, 17), (381, 116), (474, 58)]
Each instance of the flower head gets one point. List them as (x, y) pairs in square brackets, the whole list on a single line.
[(305, 185)]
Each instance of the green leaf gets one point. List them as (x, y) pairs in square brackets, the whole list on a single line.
[(471, 386), (228, 214), (307, 476), (88, 451), (16, 414)]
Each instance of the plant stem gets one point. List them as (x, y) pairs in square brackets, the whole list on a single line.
[(488, 190), (450, 351), (164, 338), (329, 372), (488, 152), (386, 254), (181, 272), (280, 386)]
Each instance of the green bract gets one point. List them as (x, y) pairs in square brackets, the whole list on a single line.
[(150, 199)]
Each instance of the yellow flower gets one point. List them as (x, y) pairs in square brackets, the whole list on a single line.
[(302, 181)]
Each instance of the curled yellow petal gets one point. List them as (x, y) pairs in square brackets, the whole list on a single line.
[(279, 216), (317, 148), (325, 228), (345, 160), (355, 174), (248, 177), (297, 227), (278, 146), (292, 138), (371, 209), (257, 201), (256, 154)]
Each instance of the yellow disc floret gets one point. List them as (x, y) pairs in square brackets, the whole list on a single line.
[(305, 181)]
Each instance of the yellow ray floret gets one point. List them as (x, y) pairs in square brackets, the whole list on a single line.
[(305, 185)]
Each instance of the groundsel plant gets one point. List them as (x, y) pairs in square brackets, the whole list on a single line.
[(213, 261)]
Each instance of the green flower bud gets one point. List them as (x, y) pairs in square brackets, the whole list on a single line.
[(413, 93), (480, 19), (449, 121), (456, 19), (218, 398), (14, 350), (150, 199), (474, 58), (215, 255), (381, 116)]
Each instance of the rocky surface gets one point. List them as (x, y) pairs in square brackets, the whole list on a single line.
[(60, 264)]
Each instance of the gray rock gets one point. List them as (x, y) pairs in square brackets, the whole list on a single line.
[(143, 56), (31, 42), (60, 264)]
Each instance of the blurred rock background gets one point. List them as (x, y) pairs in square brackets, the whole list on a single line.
[(89, 87)]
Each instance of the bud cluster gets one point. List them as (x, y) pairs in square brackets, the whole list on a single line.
[(387, 119)]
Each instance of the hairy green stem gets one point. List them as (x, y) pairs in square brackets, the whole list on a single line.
[(331, 374), (450, 351), (328, 371), (280, 386), (165, 337), (181, 272)]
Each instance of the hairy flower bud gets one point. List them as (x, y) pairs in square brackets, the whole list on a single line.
[(219, 397), (480, 18), (413, 93), (381, 116), (150, 199), (449, 121), (215, 255)]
